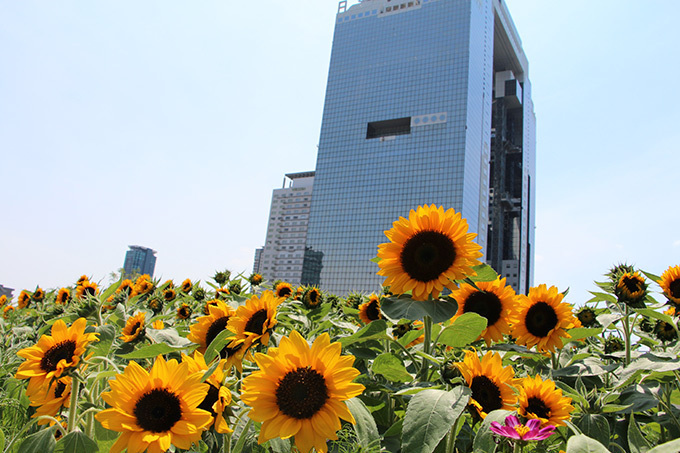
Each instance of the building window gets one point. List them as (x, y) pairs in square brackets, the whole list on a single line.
[(398, 126)]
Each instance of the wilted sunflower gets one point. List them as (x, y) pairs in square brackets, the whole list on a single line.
[(670, 284), (218, 398), (370, 311), (587, 317), (169, 295), (300, 391), (255, 279), (184, 311), (24, 299), (87, 289), (283, 289), (540, 399), (541, 319), (51, 401), (206, 328), (311, 297), (255, 321), (492, 300), (491, 384), (38, 294), (134, 328), (427, 252), (613, 344), (63, 296), (53, 355), (631, 289), (186, 286), (198, 293), (665, 331), (155, 409)]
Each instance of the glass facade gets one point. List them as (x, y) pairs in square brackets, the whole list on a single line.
[(140, 259)]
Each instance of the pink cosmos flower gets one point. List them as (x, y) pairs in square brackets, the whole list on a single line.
[(513, 429)]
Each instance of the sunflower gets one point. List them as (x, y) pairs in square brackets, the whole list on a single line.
[(210, 303), (186, 286), (143, 284), (221, 293), (299, 391), (38, 294), (82, 279), (184, 311), (235, 287), (155, 303), (158, 325), (255, 279), (7, 310), (587, 317), (168, 284), (206, 328), (218, 398), (3, 300), (255, 321), (670, 284), (492, 300), (54, 355), (155, 409), (86, 289), (613, 344), (134, 328), (541, 319), (491, 384), (63, 296), (665, 331), (283, 289), (311, 297), (24, 299), (540, 399), (169, 295), (370, 311), (127, 287), (427, 252), (631, 289), (51, 401)]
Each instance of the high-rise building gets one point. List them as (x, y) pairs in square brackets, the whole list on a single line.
[(5, 291), (427, 102), (284, 250), (140, 260)]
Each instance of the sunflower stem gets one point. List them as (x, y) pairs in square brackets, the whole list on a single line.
[(451, 436), (626, 334), (427, 322), (73, 407), (403, 348)]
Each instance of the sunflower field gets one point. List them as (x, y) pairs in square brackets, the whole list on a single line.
[(446, 358)]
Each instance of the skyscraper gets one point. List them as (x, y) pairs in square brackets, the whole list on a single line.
[(140, 259), (412, 117)]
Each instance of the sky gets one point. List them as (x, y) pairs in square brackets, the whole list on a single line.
[(168, 123)]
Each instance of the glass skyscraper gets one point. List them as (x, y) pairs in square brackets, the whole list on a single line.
[(408, 118), (140, 260)]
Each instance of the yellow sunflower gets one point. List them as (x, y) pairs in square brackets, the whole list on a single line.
[(82, 279), (370, 311), (255, 321), (53, 355), (51, 401), (206, 328), (7, 310), (210, 303), (255, 279), (63, 296), (86, 289), (427, 252), (300, 391), (3, 300), (491, 384), (670, 284), (540, 399), (127, 287), (155, 409), (158, 325), (134, 328), (631, 289), (542, 319), (221, 293), (311, 297), (492, 300), (169, 294), (38, 294), (143, 284), (24, 299), (218, 398), (184, 311), (187, 285), (283, 289)]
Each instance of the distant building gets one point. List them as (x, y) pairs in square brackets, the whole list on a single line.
[(5, 291), (140, 259), (282, 256)]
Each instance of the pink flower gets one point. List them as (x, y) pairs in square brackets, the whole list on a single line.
[(513, 429)]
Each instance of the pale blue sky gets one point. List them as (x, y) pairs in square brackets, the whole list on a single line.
[(168, 123)]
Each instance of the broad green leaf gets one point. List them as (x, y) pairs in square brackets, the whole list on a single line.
[(280, 445), (217, 344), (107, 334), (579, 333), (484, 440), (464, 330), (170, 337), (395, 429), (602, 297), (2, 440), (365, 427), (636, 440), (595, 426), (669, 447), (372, 331), (400, 307), (40, 442), (391, 367), (319, 313), (410, 336), (150, 351), (429, 417), (656, 315), (607, 319), (103, 434), (584, 444), (78, 442), (485, 273)]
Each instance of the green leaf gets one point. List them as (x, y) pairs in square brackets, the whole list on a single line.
[(485, 273), (669, 447), (107, 334), (152, 350), (78, 442), (40, 442), (595, 426), (372, 331), (484, 440), (602, 297), (103, 434), (580, 333), (464, 330), (391, 367), (410, 336), (429, 417), (636, 440), (365, 427), (170, 337), (656, 315), (280, 445), (584, 444), (217, 344), (2, 440), (403, 306)]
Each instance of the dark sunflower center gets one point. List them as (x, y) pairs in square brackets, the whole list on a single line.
[(313, 297), (158, 410), (284, 292), (427, 254), (486, 393), (215, 328), (89, 291), (632, 284), (184, 312), (537, 407), (56, 353), (210, 399), (59, 389), (227, 352), (373, 310), (301, 393), (256, 322), (674, 288), (485, 304), (541, 319), (135, 327)]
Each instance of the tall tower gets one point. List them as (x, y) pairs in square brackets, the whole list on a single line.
[(407, 121), (140, 259)]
